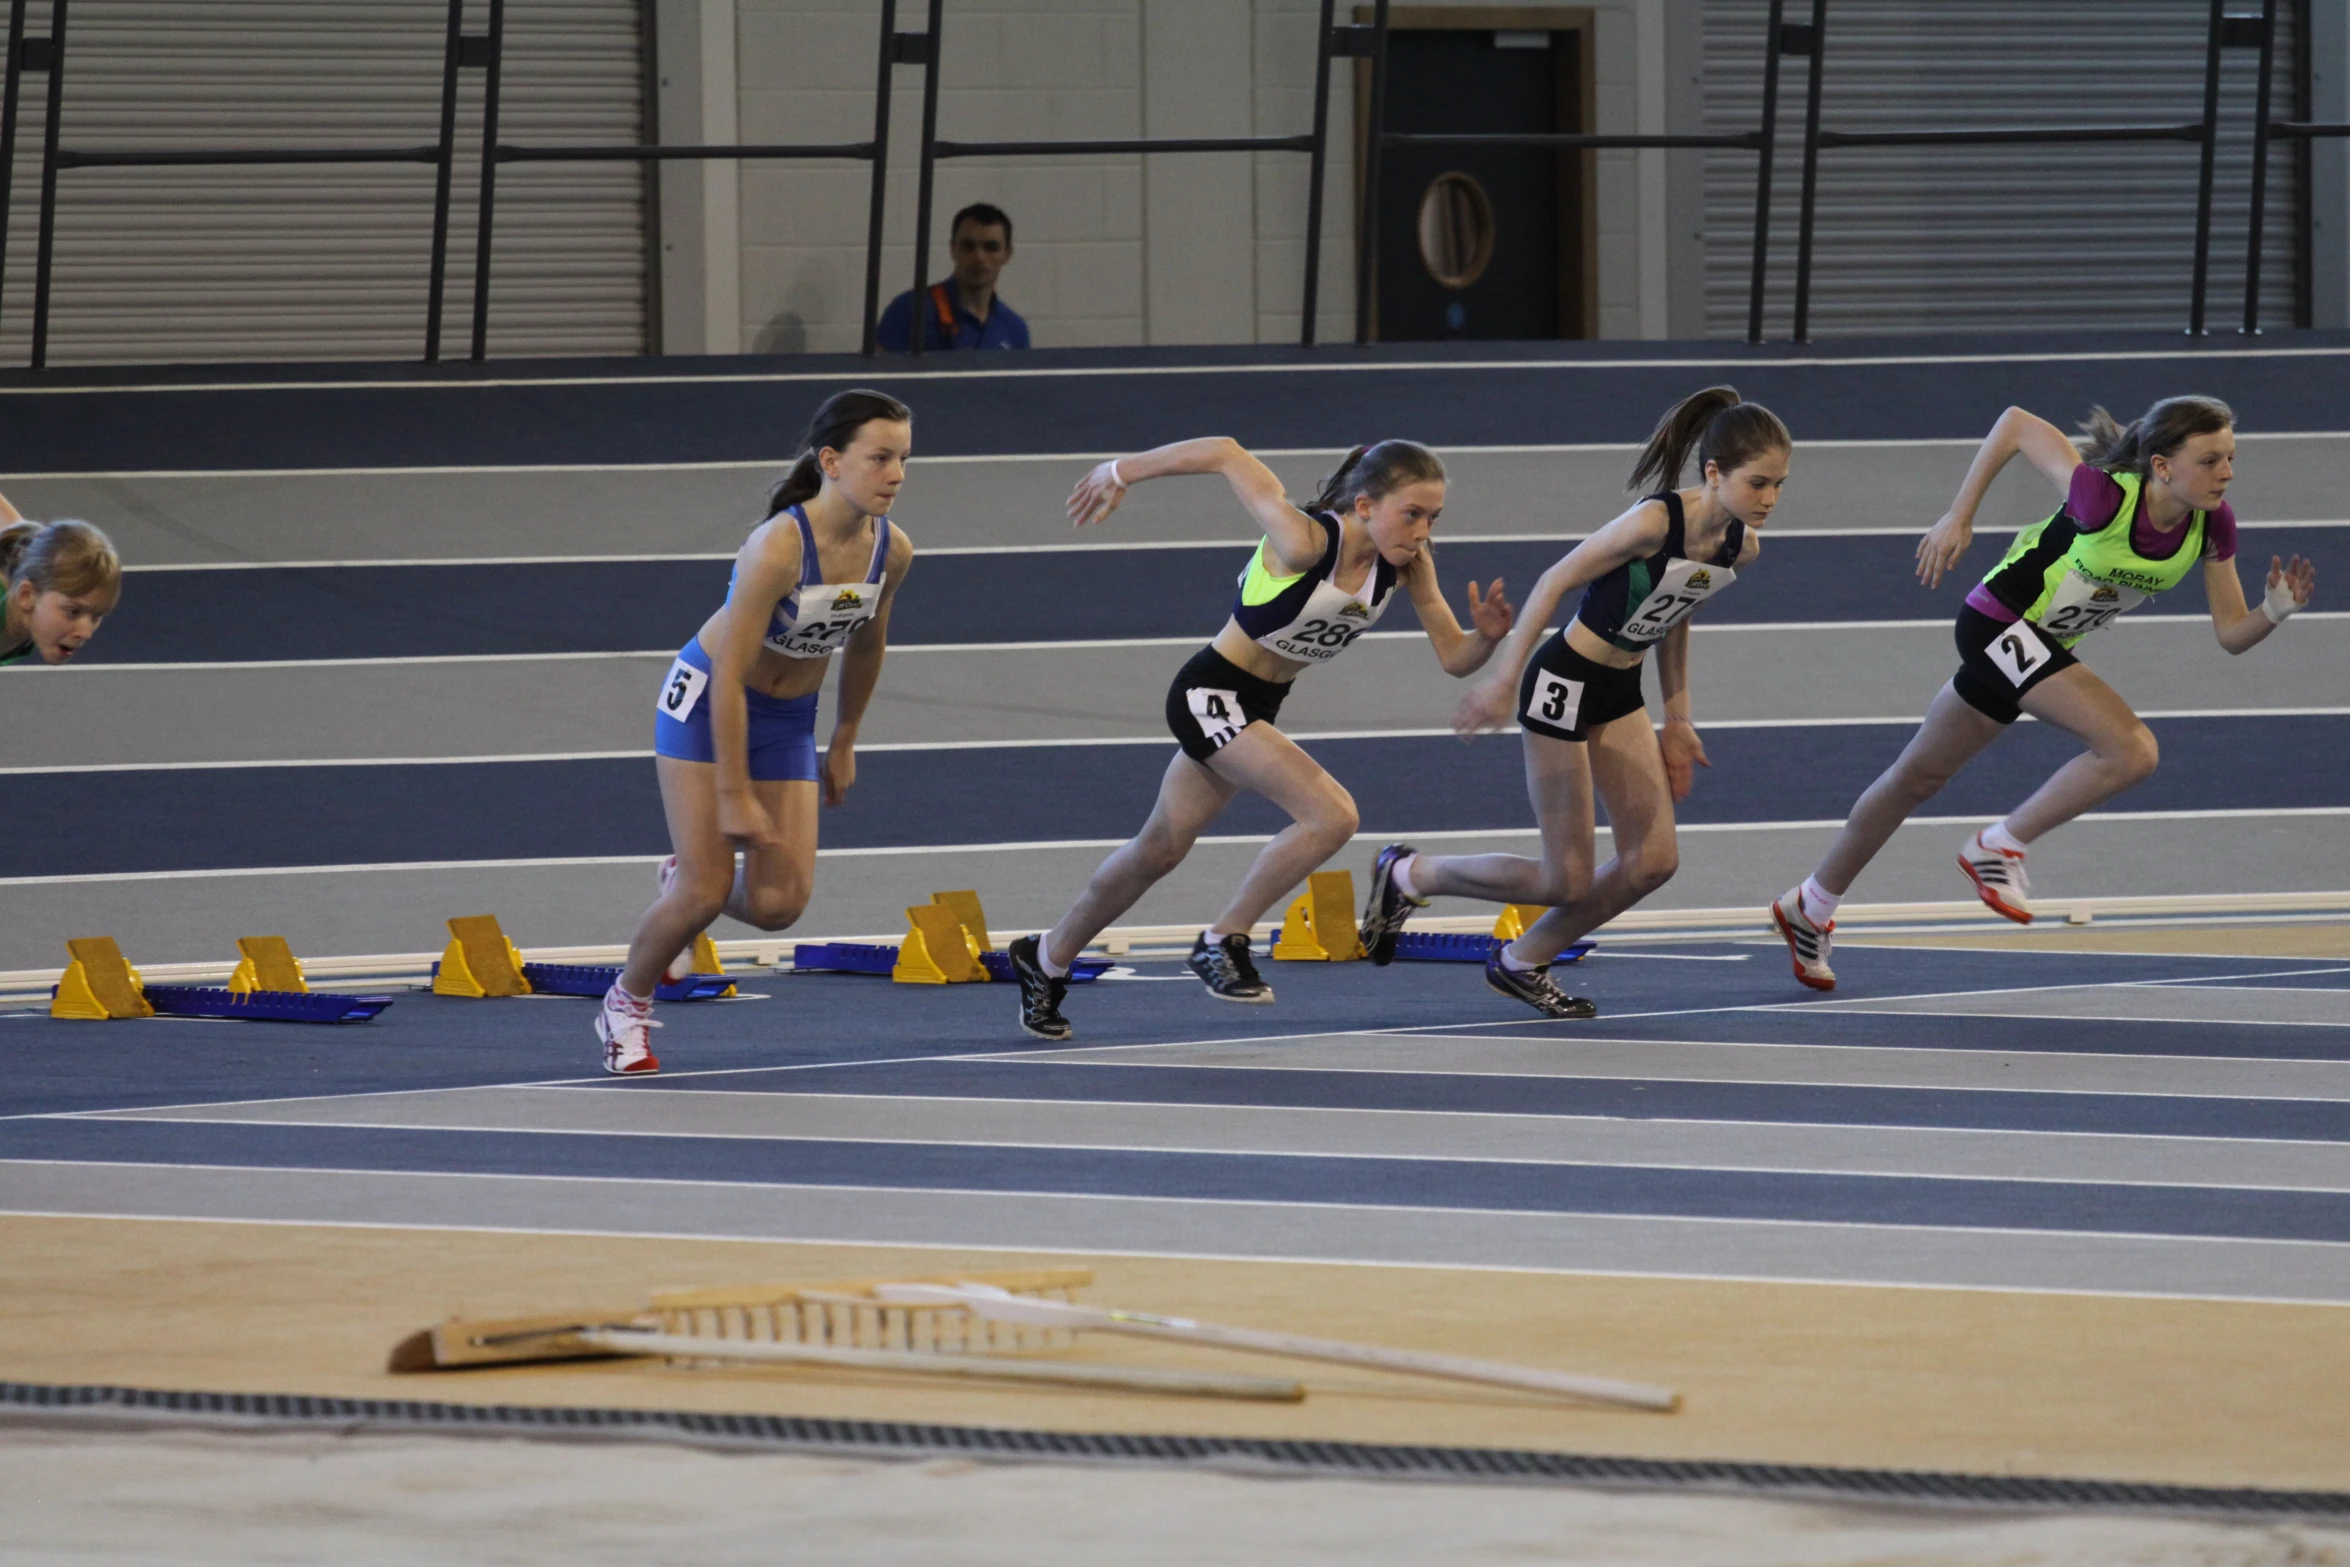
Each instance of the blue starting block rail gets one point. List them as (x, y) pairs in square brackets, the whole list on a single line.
[(1430, 947), (591, 979), (263, 1006), (858, 957)]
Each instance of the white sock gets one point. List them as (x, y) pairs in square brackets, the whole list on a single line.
[(1403, 877), (1996, 836), (1515, 964), (1819, 904), (625, 1000), (1044, 958)]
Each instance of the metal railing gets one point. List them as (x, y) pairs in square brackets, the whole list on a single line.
[(1335, 43), (1762, 141), (46, 55), (2265, 130), (2226, 32)]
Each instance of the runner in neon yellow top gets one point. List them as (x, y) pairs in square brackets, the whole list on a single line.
[(2143, 506)]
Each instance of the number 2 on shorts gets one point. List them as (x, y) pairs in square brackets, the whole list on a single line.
[(2018, 651), (1555, 701)]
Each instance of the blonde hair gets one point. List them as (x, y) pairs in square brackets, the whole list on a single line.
[(72, 558)]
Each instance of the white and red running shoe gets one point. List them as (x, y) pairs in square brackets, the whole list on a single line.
[(680, 967), (1807, 943), (1998, 875), (625, 1025)]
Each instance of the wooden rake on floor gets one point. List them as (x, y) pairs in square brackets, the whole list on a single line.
[(969, 1326)]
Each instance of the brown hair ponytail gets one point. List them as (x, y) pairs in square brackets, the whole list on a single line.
[(72, 558), (2158, 432), (1376, 471), (834, 425), (1714, 426)]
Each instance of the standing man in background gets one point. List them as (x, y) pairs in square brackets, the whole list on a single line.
[(963, 311)]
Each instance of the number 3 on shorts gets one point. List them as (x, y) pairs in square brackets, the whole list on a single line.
[(681, 688), (2017, 651), (1554, 701), (1218, 713)]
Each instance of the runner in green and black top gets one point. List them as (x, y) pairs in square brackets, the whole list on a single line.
[(1586, 724), (2143, 507), (63, 579), (1323, 575)]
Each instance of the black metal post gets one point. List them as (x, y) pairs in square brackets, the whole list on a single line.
[(8, 101), (2260, 138), (1323, 40), (1807, 221), (43, 262), (437, 290), (2203, 188), (1762, 179), (918, 324), (1367, 239), (489, 180), (881, 92)]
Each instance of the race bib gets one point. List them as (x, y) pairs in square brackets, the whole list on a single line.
[(2082, 604), (1554, 700), (681, 688), (1217, 713), (2018, 652), (1320, 640), (833, 614), (1685, 585)]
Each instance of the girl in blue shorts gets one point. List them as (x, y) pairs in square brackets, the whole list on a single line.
[(734, 731)]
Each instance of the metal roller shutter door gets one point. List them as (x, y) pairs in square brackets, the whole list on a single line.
[(1985, 238), (327, 262)]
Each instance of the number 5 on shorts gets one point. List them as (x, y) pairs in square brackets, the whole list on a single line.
[(1555, 701), (2017, 651), (681, 688)]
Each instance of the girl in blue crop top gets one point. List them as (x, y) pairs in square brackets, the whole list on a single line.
[(735, 719), (1579, 701)]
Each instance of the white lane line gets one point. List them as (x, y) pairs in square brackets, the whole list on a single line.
[(1030, 845), (1046, 743), (1563, 540), (885, 374)]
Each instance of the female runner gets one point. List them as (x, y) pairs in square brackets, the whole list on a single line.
[(2141, 507), (1324, 574), (734, 727), (1579, 700), (63, 578)]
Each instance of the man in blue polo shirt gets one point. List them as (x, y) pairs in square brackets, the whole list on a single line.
[(963, 311)]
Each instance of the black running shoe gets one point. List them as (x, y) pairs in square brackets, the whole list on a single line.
[(1535, 989), (1040, 993), (1388, 908), (1224, 967)]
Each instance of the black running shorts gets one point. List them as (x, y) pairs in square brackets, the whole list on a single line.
[(1999, 660), (1213, 699), (1565, 695)]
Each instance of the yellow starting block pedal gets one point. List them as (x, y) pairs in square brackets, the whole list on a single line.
[(99, 983), (1320, 926), (267, 963), (938, 950), (1515, 917), (966, 909), (479, 961)]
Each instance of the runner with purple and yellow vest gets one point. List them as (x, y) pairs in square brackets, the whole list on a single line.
[(2143, 507)]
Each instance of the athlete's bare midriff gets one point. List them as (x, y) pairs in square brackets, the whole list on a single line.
[(780, 675), (1599, 650)]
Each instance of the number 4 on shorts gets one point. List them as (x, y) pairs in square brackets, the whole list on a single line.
[(1218, 713)]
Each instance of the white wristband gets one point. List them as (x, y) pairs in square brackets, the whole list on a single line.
[(1116, 477), (2279, 604)]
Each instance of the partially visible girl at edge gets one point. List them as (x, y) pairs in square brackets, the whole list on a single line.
[(2142, 507), (63, 579), (1323, 575), (734, 728), (1579, 701)]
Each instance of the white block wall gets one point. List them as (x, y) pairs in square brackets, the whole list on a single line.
[(1111, 251)]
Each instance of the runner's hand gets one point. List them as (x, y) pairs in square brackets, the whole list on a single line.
[(1491, 613), (1485, 706), (1096, 496), (1684, 754), (2299, 574), (1943, 544), (743, 819), (840, 770)]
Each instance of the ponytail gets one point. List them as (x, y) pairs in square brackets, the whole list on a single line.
[(2158, 432), (1376, 471), (833, 427), (1715, 426), (72, 558)]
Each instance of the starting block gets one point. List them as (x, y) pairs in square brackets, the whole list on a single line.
[(481, 962), (268, 987), (1429, 947), (947, 943), (1320, 926)]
